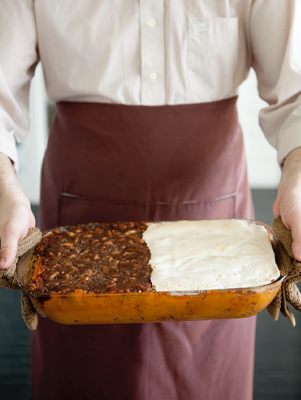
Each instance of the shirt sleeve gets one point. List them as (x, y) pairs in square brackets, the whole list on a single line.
[(275, 31), (18, 59)]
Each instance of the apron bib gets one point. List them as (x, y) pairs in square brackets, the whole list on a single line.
[(106, 163)]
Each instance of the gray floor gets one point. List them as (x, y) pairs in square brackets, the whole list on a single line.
[(278, 345)]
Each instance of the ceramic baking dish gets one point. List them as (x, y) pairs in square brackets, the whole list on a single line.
[(79, 309)]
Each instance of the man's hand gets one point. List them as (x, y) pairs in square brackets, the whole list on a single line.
[(15, 213), (288, 202)]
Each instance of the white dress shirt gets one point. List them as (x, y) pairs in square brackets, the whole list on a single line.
[(152, 52)]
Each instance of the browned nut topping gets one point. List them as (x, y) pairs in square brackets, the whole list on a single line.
[(98, 258)]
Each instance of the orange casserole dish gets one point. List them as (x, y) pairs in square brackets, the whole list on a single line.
[(110, 308)]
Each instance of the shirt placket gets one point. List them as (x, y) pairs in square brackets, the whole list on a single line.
[(152, 52)]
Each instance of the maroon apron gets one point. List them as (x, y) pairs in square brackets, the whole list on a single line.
[(108, 162)]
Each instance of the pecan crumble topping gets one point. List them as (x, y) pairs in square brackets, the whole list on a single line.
[(97, 258)]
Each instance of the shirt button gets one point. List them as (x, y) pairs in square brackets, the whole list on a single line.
[(152, 23), (201, 26), (153, 76)]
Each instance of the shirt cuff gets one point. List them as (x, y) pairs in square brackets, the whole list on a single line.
[(8, 147), (282, 127)]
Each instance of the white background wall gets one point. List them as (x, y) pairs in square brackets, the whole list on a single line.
[(264, 171), (31, 151)]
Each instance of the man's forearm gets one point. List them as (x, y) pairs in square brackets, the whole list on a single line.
[(15, 213), (294, 158), (8, 179), (288, 202)]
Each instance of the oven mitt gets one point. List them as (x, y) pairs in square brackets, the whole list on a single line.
[(11, 277), (289, 292)]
